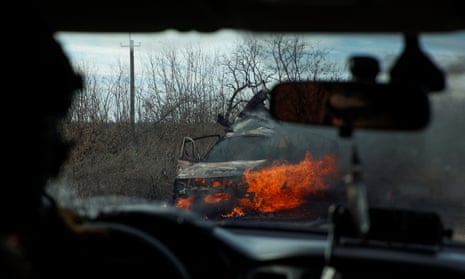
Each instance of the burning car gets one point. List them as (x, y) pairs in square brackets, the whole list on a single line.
[(258, 166)]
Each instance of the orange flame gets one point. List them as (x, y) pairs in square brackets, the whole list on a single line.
[(235, 212), (285, 186), (278, 187), (217, 197), (184, 203)]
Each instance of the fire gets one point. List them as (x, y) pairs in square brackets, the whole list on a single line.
[(285, 186), (277, 187), (185, 203), (234, 213), (217, 197)]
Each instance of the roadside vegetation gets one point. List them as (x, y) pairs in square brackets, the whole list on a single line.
[(181, 93)]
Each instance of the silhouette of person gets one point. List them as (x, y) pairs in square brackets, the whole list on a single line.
[(44, 83)]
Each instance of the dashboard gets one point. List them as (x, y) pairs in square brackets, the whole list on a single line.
[(210, 251)]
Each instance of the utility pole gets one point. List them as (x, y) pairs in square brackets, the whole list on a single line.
[(131, 46)]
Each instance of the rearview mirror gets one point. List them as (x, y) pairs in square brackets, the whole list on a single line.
[(351, 104)]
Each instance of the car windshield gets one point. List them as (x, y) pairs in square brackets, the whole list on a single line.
[(150, 98)]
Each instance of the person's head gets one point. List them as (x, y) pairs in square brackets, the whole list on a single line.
[(42, 83)]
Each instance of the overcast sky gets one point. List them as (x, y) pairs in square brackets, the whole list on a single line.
[(105, 51)]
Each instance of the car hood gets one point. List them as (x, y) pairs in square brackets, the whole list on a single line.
[(188, 170)]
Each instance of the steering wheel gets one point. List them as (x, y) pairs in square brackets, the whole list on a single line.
[(139, 244)]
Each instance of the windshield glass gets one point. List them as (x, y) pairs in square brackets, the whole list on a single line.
[(145, 93)]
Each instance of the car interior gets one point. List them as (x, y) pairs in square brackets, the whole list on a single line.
[(42, 239)]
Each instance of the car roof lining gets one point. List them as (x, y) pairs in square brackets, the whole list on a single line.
[(255, 15)]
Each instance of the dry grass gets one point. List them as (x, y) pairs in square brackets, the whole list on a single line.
[(109, 159)]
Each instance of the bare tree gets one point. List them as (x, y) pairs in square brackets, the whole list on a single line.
[(244, 69), (181, 86), (92, 104), (295, 59), (192, 86)]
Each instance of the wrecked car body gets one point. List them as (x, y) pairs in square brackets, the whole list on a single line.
[(231, 178)]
